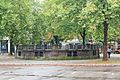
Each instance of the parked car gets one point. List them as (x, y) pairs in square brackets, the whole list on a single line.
[(118, 50)]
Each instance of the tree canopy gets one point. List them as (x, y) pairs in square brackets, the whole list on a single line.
[(15, 19), (67, 17), (27, 21), (84, 17)]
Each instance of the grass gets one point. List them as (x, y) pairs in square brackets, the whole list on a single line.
[(90, 60), (60, 58), (67, 58), (100, 61)]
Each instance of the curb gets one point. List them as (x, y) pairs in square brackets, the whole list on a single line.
[(66, 65)]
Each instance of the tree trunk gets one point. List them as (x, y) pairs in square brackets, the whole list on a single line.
[(11, 47), (105, 40), (83, 35)]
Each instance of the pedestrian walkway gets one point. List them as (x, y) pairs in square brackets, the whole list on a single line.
[(6, 60), (113, 56)]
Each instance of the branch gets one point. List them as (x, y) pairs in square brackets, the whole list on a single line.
[(81, 34)]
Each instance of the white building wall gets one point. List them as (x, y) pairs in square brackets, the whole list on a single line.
[(0, 46), (7, 38), (8, 46)]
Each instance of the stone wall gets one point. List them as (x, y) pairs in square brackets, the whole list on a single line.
[(31, 52)]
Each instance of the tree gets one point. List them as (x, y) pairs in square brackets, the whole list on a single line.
[(71, 15), (64, 17), (108, 9), (15, 20)]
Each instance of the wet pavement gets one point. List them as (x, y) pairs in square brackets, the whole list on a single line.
[(59, 73), (15, 69)]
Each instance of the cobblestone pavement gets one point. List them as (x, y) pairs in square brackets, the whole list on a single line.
[(15, 69)]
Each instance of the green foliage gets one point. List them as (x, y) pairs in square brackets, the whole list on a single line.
[(67, 17), (15, 20), (26, 21)]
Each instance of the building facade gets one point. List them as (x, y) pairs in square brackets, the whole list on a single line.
[(5, 45)]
